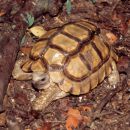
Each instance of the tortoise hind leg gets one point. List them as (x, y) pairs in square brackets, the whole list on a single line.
[(114, 78)]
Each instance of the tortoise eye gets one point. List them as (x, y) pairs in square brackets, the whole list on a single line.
[(44, 79), (40, 81)]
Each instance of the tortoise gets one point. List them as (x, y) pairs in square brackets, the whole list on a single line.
[(72, 59)]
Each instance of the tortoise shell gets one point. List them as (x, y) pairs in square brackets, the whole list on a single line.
[(74, 56)]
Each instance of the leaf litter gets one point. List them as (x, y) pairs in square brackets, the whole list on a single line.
[(74, 113)]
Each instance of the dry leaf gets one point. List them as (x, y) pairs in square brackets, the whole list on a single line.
[(25, 50), (73, 119), (2, 119), (129, 22), (2, 13), (86, 119), (46, 126), (114, 17), (58, 20), (71, 122), (37, 31), (39, 129), (75, 113), (112, 38), (85, 108)]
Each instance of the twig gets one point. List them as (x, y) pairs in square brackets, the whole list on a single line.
[(108, 97)]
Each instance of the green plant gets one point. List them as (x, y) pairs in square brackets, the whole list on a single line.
[(29, 19), (68, 6), (93, 1), (23, 40)]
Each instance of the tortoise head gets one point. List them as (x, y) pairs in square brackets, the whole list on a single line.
[(40, 80), (32, 70)]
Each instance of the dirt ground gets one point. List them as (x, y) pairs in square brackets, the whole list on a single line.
[(105, 107)]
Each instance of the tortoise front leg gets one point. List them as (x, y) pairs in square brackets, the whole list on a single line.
[(46, 96)]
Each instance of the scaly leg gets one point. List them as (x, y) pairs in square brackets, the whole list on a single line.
[(114, 77), (46, 96)]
